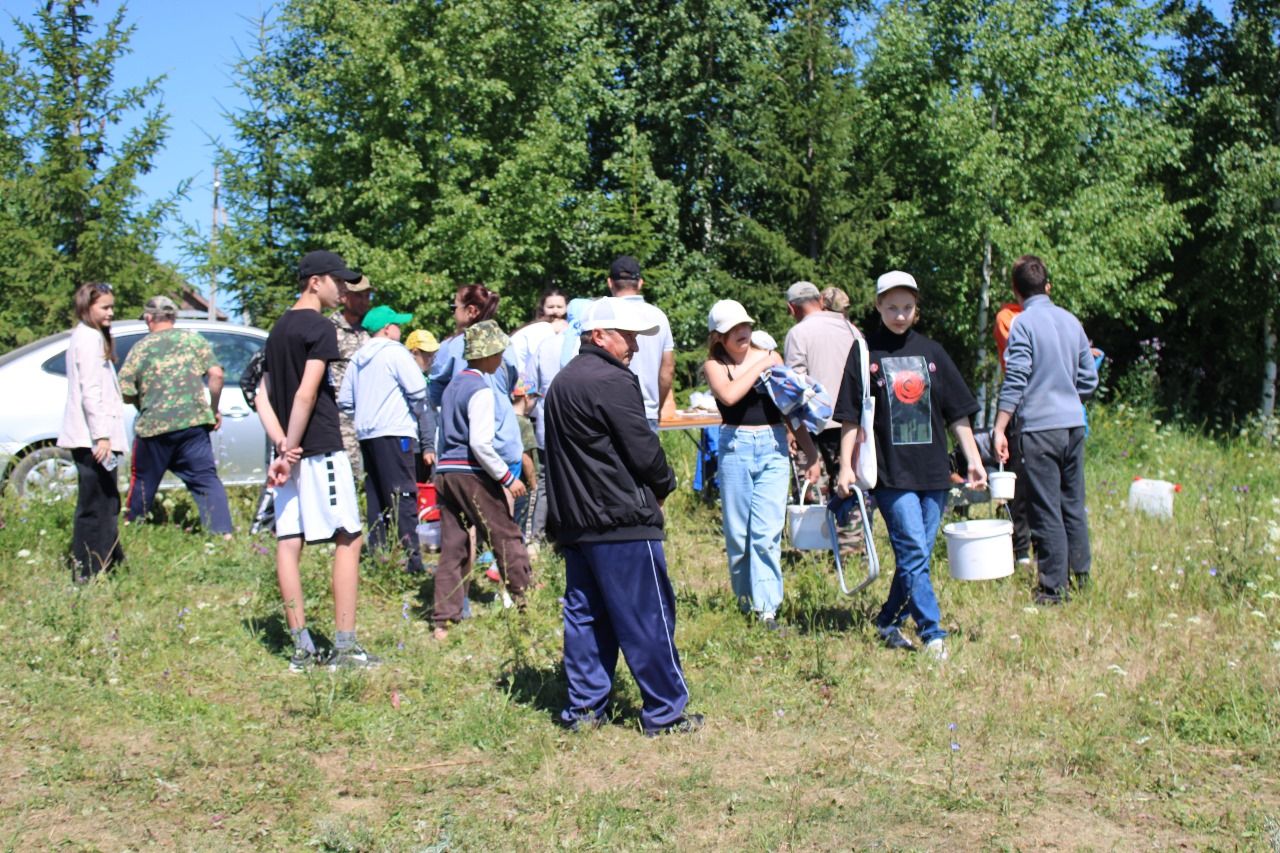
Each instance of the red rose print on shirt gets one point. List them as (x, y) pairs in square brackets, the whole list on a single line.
[(908, 386)]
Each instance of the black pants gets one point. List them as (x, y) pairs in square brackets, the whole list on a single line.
[(188, 453), (1018, 506), (1053, 462), (391, 491), (95, 532)]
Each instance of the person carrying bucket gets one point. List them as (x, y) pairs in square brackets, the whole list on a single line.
[(919, 393)]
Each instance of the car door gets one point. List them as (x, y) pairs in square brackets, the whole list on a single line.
[(240, 445)]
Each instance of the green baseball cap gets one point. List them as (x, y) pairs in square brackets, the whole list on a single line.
[(484, 339), (379, 318)]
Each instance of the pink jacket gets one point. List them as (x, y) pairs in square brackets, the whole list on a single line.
[(95, 408)]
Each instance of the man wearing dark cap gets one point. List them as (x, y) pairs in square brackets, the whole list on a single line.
[(315, 496), (383, 394), (607, 477), (164, 376), (654, 364), (353, 304)]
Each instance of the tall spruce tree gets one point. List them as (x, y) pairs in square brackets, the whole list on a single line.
[(74, 144), (1226, 275), (807, 201)]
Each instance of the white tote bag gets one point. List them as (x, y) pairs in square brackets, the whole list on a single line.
[(864, 454)]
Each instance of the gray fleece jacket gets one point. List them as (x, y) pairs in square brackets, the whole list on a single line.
[(1049, 369), (383, 390)]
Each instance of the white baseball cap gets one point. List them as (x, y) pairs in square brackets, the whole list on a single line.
[(895, 278), (610, 312), (726, 314)]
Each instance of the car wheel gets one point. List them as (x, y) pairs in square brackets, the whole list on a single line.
[(45, 474)]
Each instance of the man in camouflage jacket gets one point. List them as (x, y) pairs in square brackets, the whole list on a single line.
[(353, 304), (164, 376)]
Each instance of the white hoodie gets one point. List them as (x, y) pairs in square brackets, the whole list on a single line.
[(383, 390)]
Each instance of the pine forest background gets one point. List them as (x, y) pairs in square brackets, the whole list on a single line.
[(732, 146)]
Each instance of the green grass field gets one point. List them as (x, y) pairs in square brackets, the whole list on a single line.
[(155, 710)]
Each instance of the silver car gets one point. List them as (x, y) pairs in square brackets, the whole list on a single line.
[(33, 386)]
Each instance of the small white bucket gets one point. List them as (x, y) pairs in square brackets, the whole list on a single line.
[(1154, 497), (1001, 484), (980, 550), (807, 525)]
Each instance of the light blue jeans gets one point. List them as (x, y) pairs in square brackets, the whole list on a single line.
[(755, 472), (912, 519)]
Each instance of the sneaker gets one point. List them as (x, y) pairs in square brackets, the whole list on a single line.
[(1024, 562), (894, 638), (687, 724), (304, 660), (773, 626), (581, 723), (1049, 598), (354, 657), (937, 649)]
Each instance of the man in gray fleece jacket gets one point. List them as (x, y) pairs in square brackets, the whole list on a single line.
[(1049, 371)]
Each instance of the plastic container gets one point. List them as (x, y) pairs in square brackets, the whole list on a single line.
[(1154, 497), (980, 550), (429, 535), (1001, 484), (807, 525)]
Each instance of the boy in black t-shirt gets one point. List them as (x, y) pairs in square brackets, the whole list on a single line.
[(315, 495)]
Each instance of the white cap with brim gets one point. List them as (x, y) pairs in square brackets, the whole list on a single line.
[(726, 314), (895, 278), (610, 312)]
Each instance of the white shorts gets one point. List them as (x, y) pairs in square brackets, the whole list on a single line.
[(318, 499)]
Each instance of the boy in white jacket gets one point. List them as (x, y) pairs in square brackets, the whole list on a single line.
[(383, 392)]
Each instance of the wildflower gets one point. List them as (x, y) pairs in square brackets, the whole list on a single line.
[(955, 747), (1213, 572), (404, 611), (24, 553), (951, 726)]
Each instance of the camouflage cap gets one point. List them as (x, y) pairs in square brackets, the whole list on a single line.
[(161, 307), (484, 339)]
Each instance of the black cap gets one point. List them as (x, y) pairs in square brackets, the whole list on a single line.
[(624, 268), (325, 263)]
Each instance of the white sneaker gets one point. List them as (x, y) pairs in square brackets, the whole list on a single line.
[(937, 649)]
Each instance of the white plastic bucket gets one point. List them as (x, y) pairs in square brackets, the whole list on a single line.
[(807, 525), (1001, 484), (980, 550), (1154, 497)]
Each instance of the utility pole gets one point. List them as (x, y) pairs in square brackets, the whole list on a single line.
[(213, 250)]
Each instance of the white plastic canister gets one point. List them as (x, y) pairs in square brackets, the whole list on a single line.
[(1154, 497)]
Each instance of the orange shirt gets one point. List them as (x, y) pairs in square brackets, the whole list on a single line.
[(1004, 321)]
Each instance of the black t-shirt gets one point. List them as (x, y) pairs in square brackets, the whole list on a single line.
[(918, 392), (299, 336)]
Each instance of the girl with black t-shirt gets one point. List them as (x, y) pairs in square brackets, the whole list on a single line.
[(919, 393)]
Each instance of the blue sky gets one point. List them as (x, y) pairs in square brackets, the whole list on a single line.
[(194, 43)]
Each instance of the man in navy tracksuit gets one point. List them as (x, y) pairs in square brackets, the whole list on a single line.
[(1049, 370), (606, 479)]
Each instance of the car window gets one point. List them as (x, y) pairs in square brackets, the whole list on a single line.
[(233, 352), (57, 364)]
